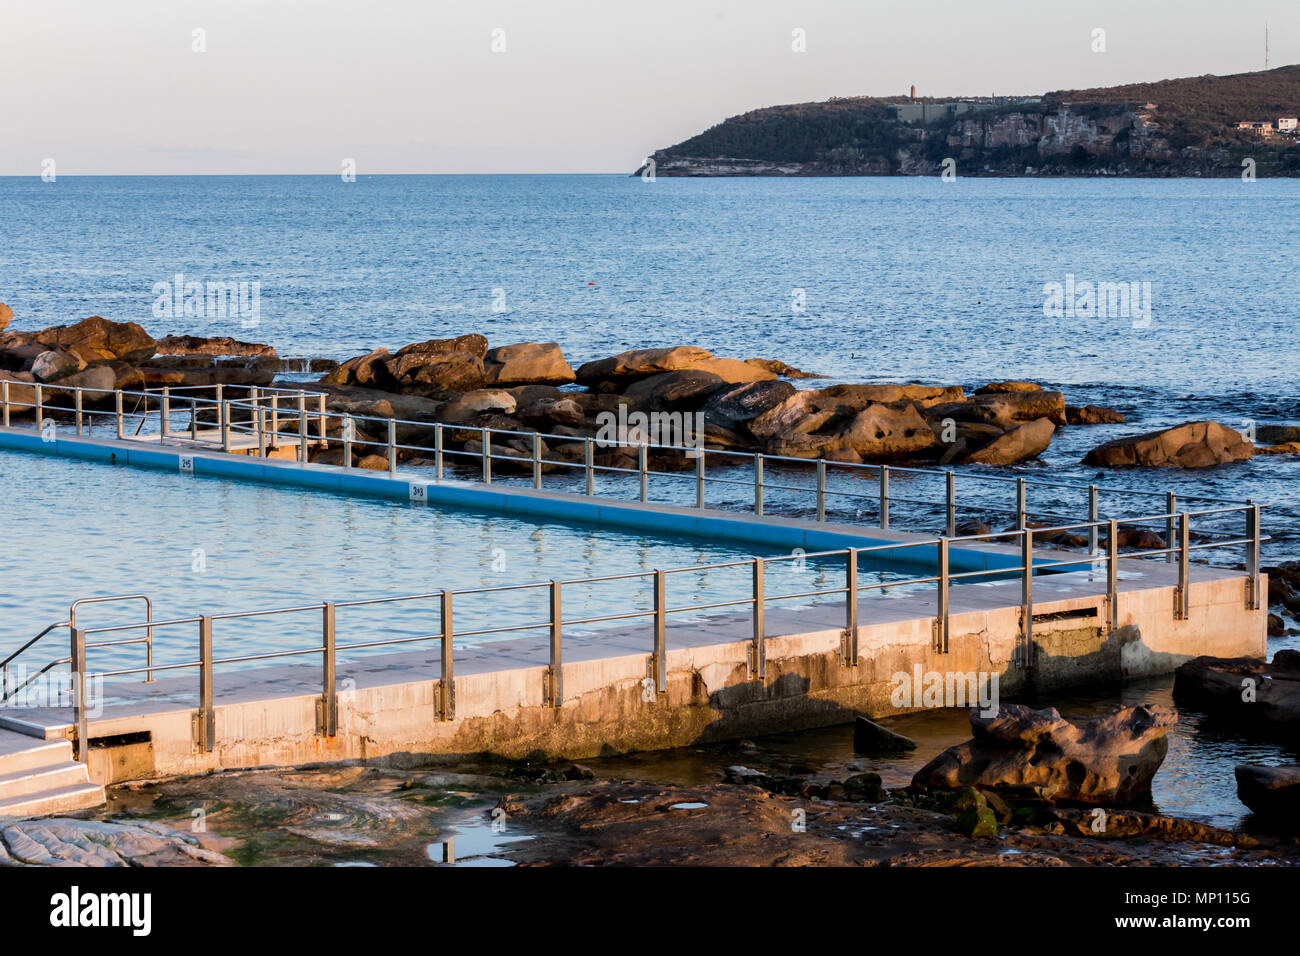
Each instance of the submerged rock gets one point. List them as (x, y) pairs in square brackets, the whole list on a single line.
[(1108, 759), (1092, 415), (1270, 791), (1261, 697), (871, 738)]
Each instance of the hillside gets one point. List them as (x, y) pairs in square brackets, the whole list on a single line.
[(1179, 127)]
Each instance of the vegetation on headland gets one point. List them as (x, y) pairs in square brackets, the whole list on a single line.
[(1179, 127)]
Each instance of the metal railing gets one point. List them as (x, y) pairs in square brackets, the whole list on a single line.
[(1032, 564)]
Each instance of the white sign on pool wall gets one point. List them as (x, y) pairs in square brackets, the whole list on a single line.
[(419, 493), (187, 464)]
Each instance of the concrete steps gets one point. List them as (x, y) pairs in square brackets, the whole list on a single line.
[(39, 777)]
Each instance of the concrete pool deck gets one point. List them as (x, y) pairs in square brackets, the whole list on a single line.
[(388, 704)]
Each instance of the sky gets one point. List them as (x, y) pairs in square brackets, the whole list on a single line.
[(539, 86)]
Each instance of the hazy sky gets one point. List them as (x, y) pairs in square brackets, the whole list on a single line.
[(413, 86)]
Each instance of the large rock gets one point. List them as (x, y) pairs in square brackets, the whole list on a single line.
[(1271, 791), (436, 372), (1259, 697), (1108, 759), (1190, 445), (527, 363), (96, 338), (1021, 443), (366, 371), (777, 367), (870, 737), (1026, 406), (1268, 434), (53, 364), (6, 316), (473, 343), (626, 367), (858, 397), (686, 389), (737, 405), (1003, 388), (476, 403), (102, 377), (214, 345), (63, 842), (1092, 415)]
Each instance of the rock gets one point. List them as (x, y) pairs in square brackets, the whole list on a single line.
[(51, 365), (1028, 405), (977, 822), (1092, 415), (21, 392), (1138, 539), (997, 414), (1108, 759), (1270, 791), (733, 407), (1267, 434), (475, 344), (626, 367), (780, 368), (1003, 388), (686, 389), (528, 363), (6, 316), (215, 345), (437, 372), (858, 397), (563, 411), (1021, 443), (97, 338), (1276, 626), (1190, 445), (96, 376), (1289, 448), (1246, 692), (972, 527), (864, 787), (477, 402), (62, 842), (871, 738), (364, 370), (579, 772)]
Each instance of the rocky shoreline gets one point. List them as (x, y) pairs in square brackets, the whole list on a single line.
[(682, 395)]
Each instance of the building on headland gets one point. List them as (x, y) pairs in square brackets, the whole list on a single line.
[(1287, 124), (935, 112)]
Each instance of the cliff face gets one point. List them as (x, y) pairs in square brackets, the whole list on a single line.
[(1172, 128)]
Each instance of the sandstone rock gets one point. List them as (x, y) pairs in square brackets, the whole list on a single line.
[(871, 738), (865, 786), (51, 365), (1271, 791), (686, 389), (1092, 415), (477, 402), (1289, 448), (780, 368), (626, 367), (96, 376), (366, 370), (879, 432), (527, 363), (1021, 443), (563, 411), (6, 316), (473, 343), (1190, 445), (999, 414), (214, 345), (63, 842), (1258, 697), (20, 392), (1108, 759), (858, 397), (1277, 434), (1028, 405), (437, 371), (1002, 388), (733, 407), (102, 339), (1276, 626)]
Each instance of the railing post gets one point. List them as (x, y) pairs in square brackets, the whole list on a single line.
[(260, 412), (1021, 503), (758, 484), (589, 465), (1252, 557), (850, 645), (487, 457), (699, 476), (659, 660), (758, 646), (40, 408), (323, 426), (537, 460), (1027, 596), (1171, 526), (79, 710), (950, 505), (1094, 515), (225, 426), (347, 428), (1112, 574), (555, 676), (205, 721), (437, 450), (392, 446), (884, 497), (4, 401), (275, 416), (941, 609), (303, 454), (329, 695), (77, 406), (447, 679), (643, 466), (1183, 603), (165, 418), (821, 489), (117, 395)]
